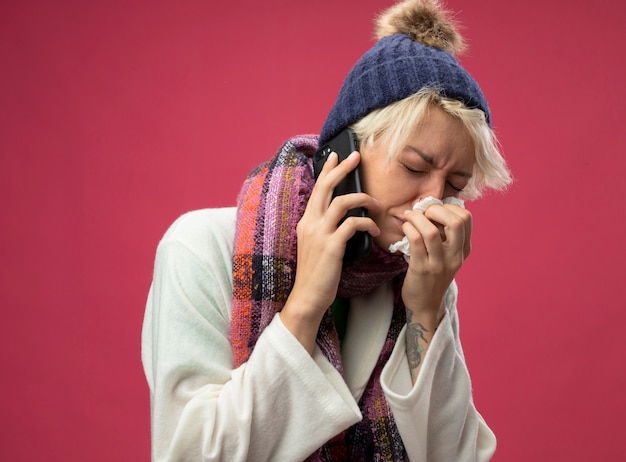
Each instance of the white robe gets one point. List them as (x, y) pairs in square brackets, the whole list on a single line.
[(283, 403)]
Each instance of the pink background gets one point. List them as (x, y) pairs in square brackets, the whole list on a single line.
[(118, 116)]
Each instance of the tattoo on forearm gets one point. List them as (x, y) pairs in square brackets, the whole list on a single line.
[(415, 342)]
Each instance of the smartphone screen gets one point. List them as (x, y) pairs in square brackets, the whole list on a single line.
[(346, 142)]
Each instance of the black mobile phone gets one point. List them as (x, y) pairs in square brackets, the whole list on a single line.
[(346, 142)]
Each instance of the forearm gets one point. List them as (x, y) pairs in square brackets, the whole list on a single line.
[(302, 323), (436, 416), (421, 327), (278, 404)]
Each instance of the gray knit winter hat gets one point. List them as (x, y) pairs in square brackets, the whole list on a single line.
[(416, 47)]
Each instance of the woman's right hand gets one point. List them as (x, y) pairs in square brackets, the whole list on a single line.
[(321, 246)]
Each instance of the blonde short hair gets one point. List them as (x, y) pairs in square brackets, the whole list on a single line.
[(395, 123)]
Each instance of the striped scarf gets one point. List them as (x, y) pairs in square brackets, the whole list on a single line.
[(271, 202)]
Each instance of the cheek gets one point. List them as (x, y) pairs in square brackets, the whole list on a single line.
[(381, 185), (374, 171), (395, 194), (390, 226), (387, 182)]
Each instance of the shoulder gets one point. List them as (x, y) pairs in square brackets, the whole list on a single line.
[(203, 232), (196, 224), (191, 291), (198, 245)]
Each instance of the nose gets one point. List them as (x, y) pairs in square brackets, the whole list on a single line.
[(432, 186)]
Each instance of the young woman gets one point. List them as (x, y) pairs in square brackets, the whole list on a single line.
[(246, 359)]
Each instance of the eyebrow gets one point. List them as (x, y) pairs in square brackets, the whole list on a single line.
[(430, 161)]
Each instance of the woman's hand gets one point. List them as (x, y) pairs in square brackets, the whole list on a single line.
[(437, 253), (321, 245), (439, 244)]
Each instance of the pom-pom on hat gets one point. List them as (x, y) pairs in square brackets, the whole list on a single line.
[(417, 41)]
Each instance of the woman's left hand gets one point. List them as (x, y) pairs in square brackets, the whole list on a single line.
[(439, 244)]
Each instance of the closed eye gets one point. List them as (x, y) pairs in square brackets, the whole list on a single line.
[(454, 187), (412, 170)]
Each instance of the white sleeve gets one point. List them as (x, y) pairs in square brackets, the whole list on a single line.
[(436, 417), (282, 404)]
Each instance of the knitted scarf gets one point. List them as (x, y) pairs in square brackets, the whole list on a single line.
[(271, 202)]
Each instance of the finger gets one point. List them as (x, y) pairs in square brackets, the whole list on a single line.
[(340, 205), (462, 213), (456, 224), (337, 215), (351, 225), (467, 218), (322, 196), (423, 235), (321, 193), (331, 175)]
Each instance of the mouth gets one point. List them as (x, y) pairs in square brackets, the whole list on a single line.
[(400, 221), (399, 233)]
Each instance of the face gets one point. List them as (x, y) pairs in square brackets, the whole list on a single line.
[(437, 160)]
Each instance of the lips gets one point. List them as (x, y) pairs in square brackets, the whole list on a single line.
[(397, 233), (400, 221)]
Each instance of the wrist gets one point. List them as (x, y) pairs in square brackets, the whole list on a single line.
[(303, 324), (429, 315)]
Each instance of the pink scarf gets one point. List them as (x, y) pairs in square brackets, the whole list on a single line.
[(271, 202)]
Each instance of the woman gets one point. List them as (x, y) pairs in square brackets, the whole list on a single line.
[(244, 358)]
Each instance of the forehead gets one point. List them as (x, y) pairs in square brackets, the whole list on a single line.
[(442, 138)]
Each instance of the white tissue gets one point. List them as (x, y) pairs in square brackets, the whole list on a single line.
[(422, 205)]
